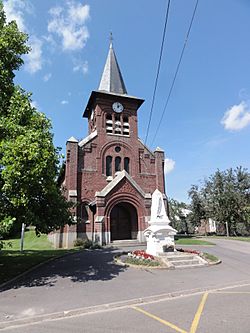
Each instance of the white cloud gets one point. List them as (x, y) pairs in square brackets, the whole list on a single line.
[(81, 66), (244, 94), (33, 60), (216, 141), (68, 23), (169, 165), (64, 102), (47, 77), (14, 10), (237, 117)]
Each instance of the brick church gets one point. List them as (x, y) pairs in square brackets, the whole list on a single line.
[(110, 174)]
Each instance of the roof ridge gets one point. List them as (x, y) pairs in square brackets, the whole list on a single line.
[(121, 175)]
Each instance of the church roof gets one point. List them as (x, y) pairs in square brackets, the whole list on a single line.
[(84, 141), (72, 139), (121, 175), (97, 93), (111, 84), (112, 80)]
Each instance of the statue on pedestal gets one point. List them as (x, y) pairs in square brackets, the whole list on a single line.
[(159, 235)]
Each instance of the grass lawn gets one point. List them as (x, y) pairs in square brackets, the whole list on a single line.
[(244, 239), (192, 241), (36, 250), (210, 257)]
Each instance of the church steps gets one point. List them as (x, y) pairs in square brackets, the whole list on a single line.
[(181, 260), (127, 243), (176, 256), (190, 262), (189, 266)]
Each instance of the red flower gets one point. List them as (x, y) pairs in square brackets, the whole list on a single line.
[(141, 254), (188, 251)]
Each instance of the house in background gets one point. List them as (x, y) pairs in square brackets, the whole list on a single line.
[(207, 226)]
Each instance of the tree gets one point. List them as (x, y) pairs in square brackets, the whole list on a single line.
[(179, 215), (197, 206), (28, 159), (225, 197), (12, 47)]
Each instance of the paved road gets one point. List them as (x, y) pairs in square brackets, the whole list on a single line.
[(225, 310), (90, 279)]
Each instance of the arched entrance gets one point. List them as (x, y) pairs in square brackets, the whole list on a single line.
[(123, 222)]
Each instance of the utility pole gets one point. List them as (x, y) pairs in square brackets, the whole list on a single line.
[(22, 237), (227, 229)]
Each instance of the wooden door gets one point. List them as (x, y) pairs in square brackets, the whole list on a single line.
[(120, 223)]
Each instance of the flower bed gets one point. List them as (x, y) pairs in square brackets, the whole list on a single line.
[(140, 257), (141, 254), (188, 251)]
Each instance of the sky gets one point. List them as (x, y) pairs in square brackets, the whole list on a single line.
[(206, 125)]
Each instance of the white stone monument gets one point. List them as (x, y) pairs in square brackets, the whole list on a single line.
[(159, 235)]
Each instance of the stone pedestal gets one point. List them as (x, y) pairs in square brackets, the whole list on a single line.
[(159, 235)]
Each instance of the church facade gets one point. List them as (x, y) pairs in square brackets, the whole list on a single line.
[(110, 175)]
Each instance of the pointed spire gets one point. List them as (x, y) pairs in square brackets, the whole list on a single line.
[(112, 80)]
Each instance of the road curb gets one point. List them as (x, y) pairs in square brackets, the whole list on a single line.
[(115, 305)]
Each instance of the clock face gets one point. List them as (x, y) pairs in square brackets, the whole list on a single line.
[(117, 107)]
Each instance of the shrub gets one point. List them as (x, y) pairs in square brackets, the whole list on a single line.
[(95, 246), (85, 243)]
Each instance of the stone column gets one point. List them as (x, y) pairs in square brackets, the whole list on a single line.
[(71, 187), (159, 169)]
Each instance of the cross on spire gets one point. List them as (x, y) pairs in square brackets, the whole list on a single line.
[(111, 39)]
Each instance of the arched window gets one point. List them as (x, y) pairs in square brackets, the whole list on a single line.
[(109, 166), (109, 124), (125, 126), (117, 163), (117, 117), (126, 164), (84, 212)]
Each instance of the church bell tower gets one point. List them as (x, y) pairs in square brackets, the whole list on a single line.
[(111, 174)]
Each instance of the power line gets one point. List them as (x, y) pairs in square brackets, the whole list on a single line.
[(158, 69), (176, 72)]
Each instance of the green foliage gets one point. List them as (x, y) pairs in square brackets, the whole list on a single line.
[(36, 250), (191, 241), (31, 242), (6, 223), (28, 159), (179, 216), (225, 197), (210, 257), (86, 244), (197, 206), (12, 47)]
